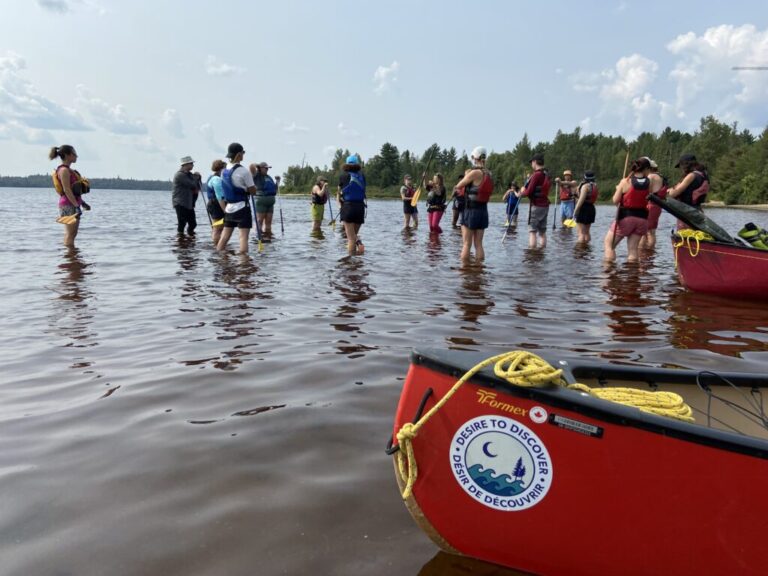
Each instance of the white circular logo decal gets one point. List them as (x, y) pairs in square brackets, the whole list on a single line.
[(538, 415), (501, 463)]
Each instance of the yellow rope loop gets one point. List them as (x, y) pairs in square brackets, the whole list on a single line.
[(687, 235), (661, 403), (527, 370), (523, 368)]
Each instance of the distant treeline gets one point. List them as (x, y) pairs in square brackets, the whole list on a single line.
[(736, 159), (44, 181)]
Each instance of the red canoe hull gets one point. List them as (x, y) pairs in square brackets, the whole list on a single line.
[(725, 270), (612, 498)]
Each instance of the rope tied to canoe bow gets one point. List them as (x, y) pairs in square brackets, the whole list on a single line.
[(525, 369), (686, 238)]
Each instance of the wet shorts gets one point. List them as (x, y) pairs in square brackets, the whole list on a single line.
[(69, 210), (408, 209), (317, 211), (586, 214), (538, 221), (630, 225), (265, 204), (475, 218), (215, 210), (352, 212), (240, 219)]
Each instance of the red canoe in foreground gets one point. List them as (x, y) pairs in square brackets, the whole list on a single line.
[(723, 269), (553, 481)]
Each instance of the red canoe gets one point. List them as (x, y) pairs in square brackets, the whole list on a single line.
[(552, 481), (723, 269)]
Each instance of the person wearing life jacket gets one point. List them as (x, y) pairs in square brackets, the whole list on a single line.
[(266, 192), (458, 201), (318, 199), (693, 187), (478, 187), (631, 198), (186, 187), (511, 200), (436, 203), (407, 191), (214, 196), (237, 184), (584, 211), (351, 196), (568, 189), (654, 211), (70, 187), (537, 191)]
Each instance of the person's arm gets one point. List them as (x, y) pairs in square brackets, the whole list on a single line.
[(469, 178), (580, 201), (506, 195), (678, 188), (537, 179), (656, 183), (402, 194), (620, 189), (64, 176)]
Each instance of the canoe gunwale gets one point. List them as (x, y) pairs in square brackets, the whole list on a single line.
[(444, 362)]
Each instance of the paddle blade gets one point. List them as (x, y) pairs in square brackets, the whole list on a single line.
[(569, 223), (219, 222), (261, 245), (67, 219), (415, 199)]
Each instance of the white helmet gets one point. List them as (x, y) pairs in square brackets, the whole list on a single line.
[(479, 152)]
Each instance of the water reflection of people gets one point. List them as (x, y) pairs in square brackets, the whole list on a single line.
[(723, 326), (471, 298), (629, 289), (72, 316), (350, 281)]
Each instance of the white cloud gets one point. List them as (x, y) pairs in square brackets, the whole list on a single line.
[(17, 132), (705, 79), (385, 76), (21, 102), (346, 131), (632, 76), (60, 6), (206, 130), (172, 123), (215, 67), (112, 118), (150, 146), (293, 127), (330, 150)]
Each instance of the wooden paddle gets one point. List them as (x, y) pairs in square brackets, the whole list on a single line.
[(71, 219), (415, 199), (256, 221), (332, 222)]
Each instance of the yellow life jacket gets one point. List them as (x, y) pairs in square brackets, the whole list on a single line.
[(78, 184)]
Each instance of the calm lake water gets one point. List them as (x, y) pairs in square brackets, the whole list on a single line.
[(165, 409)]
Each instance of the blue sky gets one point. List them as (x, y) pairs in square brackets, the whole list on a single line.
[(136, 85)]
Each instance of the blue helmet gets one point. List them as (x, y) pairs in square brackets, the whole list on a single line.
[(353, 159)]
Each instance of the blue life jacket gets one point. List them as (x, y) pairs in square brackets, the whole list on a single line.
[(355, 190), (267, 186), (209, 190), (232, 194)]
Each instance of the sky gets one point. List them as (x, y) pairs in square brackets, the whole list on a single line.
[(134, 86)]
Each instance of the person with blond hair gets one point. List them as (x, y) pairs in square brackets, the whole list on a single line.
[(478, 187)]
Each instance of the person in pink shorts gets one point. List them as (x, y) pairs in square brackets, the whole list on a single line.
[(631, 198)]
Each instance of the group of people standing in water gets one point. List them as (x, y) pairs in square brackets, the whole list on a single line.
[(235, 195)]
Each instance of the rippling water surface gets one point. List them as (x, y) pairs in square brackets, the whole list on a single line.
[(165, 409)]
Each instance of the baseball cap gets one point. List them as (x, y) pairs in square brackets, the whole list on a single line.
[(538, 158), (263, 165), (685, 158)]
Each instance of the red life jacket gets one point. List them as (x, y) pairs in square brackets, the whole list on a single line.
[(565, 193), (637, 196), (485, 189), (593, 193)]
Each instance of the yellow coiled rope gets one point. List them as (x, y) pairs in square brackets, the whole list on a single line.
[(522, 368), (687, 236)]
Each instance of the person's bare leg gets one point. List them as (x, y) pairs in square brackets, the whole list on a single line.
[(351, 231), (633, 248), (244, 240), (466, 247), (226, 234), (609, 246), (542, 239), (70, 233), (479, 250)]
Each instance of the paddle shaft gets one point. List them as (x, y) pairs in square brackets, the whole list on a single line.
[(256, 220), (618, 206), (330, 205), (279, 205), (557, 196), (415, 199)]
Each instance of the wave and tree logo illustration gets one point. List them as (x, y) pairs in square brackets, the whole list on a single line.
[(499, 484)]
